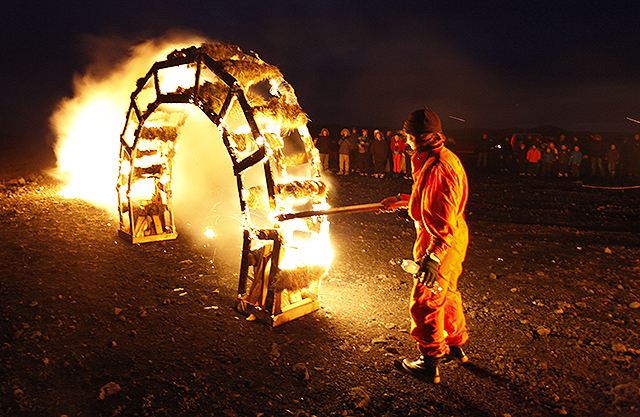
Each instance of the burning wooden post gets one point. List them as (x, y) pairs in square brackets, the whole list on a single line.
[(264, 130)]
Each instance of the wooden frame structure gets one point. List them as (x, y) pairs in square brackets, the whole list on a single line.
[(245, 98)]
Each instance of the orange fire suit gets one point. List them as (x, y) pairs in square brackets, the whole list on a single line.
[(438, 198)]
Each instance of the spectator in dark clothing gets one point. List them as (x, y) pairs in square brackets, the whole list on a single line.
[(547, 160), (575, 160), (323, 143), (563, 161), (521, 159), (612, 157), (483, 151), (379, 151), (388, 138), (597, 151), (506, 155), (554, 163), (346, 147), (363, 155), (633, 155)]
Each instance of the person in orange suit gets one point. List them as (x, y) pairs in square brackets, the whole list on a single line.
[(436, 204)]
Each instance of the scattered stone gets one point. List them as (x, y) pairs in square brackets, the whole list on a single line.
[(626, 394), (108, 390), (345, 347), (392, 350), (543, 331), (581, 304), (380, 339), (301, 371), (619, 348), (634, 304), (493, 276), (359, 397), (36, 335), (607, 250), (275, 351), (117, 311)]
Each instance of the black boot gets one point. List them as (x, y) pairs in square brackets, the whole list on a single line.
[(424, 368), (455, 354)]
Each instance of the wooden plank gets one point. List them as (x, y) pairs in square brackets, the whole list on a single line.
[(157, 224), (294, 311)]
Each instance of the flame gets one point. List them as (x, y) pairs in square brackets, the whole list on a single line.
[(81, 153), (311, 249), (88, 125)]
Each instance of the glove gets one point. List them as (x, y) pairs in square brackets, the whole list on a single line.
[(386, 203), (428, 272)]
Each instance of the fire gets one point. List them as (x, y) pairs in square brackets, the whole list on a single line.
[(88, 124), (273, 159), (84, 151)]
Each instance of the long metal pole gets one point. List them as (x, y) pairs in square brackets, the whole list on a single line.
[(345, 209)]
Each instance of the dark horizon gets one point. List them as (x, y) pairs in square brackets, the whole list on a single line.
[(574, 66)]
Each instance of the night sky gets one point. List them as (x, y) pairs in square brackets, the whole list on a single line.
[(575, 65)]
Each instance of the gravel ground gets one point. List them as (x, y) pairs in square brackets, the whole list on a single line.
[(94, 326)]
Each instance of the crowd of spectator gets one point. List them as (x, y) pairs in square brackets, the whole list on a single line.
[(356, 151), (575, 158)]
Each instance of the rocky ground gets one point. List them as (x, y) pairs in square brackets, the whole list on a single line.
[(94, 326)]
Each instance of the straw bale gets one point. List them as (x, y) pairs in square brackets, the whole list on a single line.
[(302, 189), (298, 278), (162, 133)]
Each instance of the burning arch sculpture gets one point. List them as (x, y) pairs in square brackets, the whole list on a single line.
[(264, 130)]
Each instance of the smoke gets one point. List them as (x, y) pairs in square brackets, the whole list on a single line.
[(88, 125), (205, 194)]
